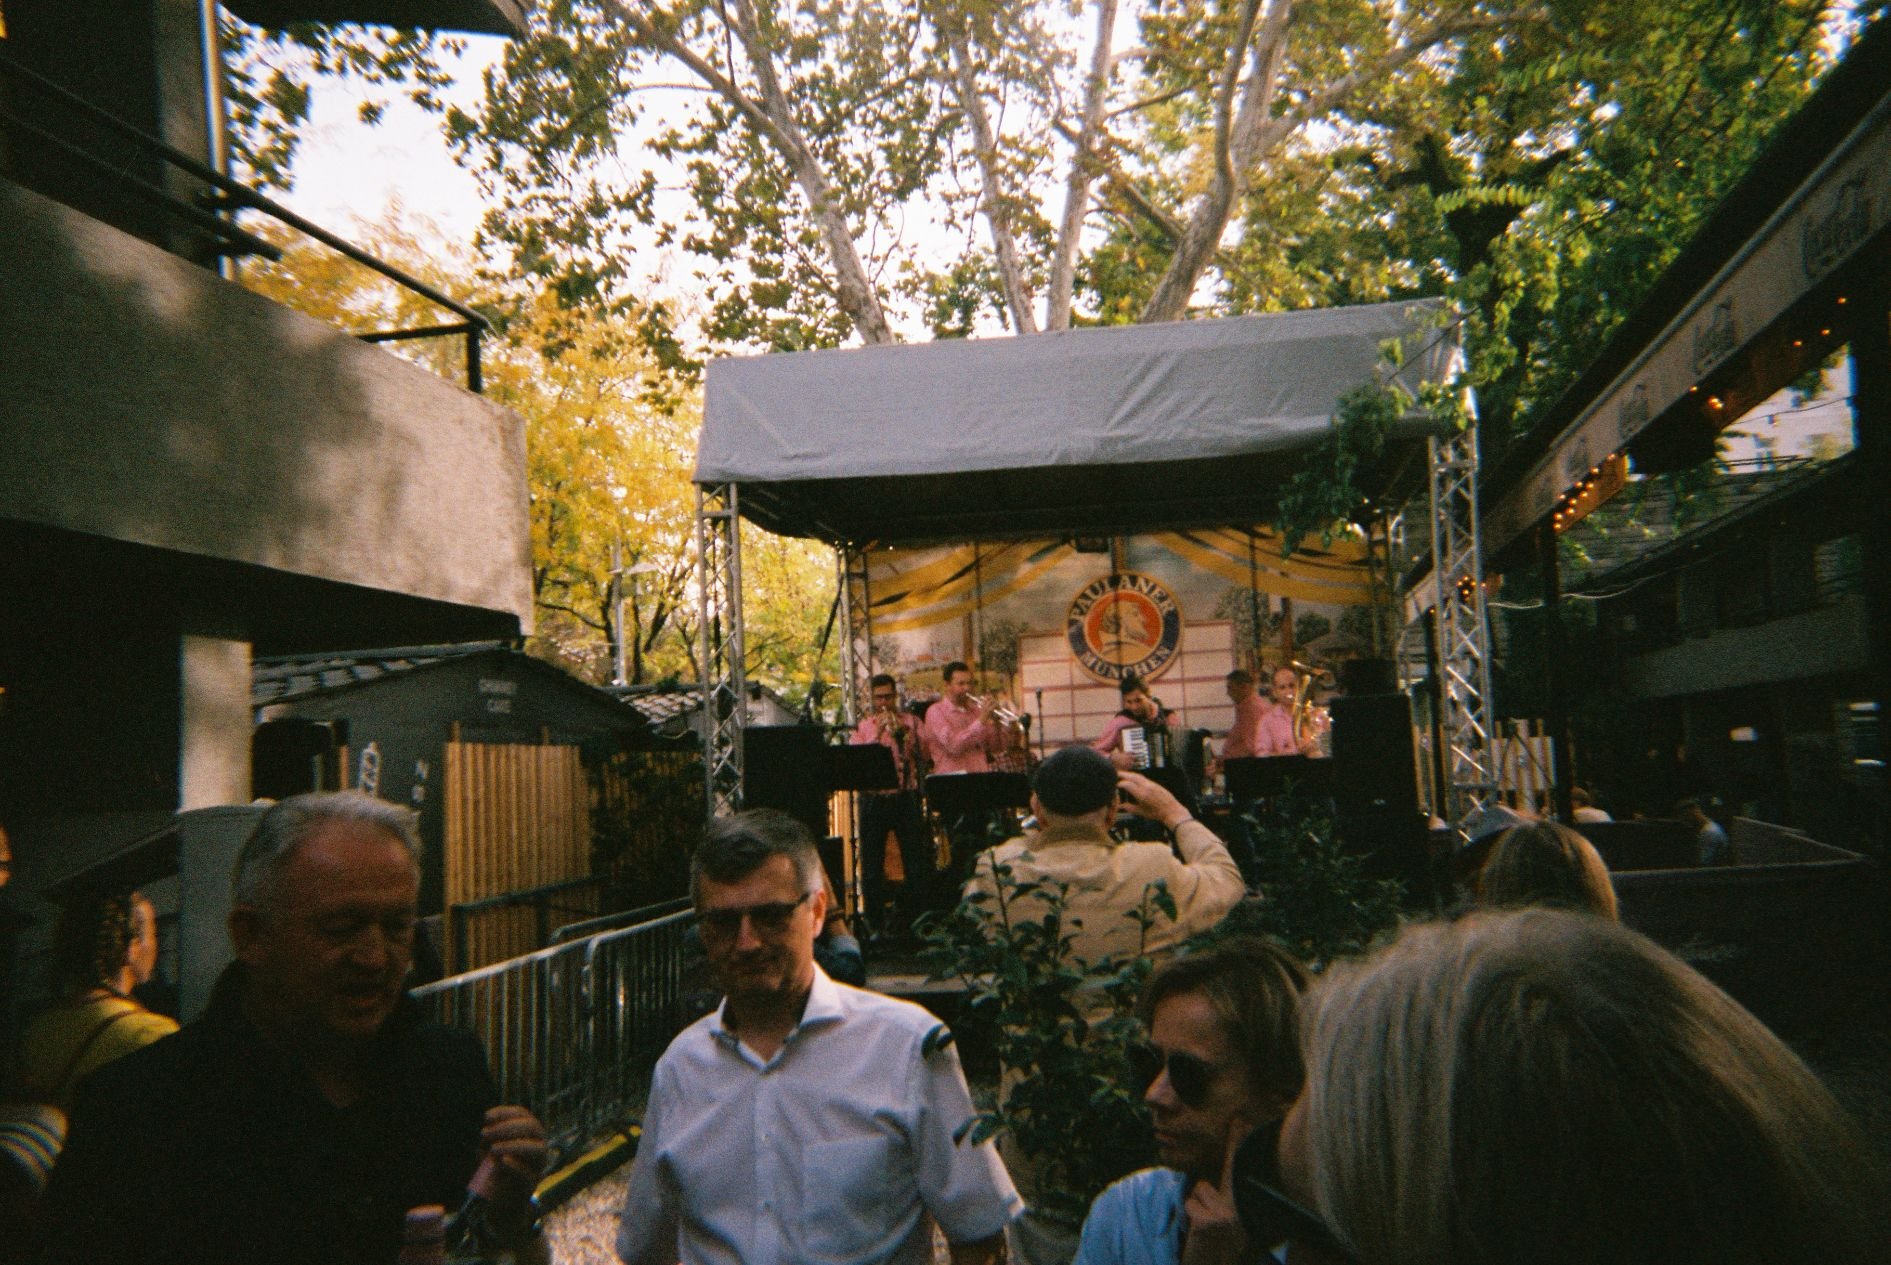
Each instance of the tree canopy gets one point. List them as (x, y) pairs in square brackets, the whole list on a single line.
[(846, 170)]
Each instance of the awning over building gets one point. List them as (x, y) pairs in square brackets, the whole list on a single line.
[(1118, 430)]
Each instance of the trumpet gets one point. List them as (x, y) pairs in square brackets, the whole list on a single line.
[(1003, 713)]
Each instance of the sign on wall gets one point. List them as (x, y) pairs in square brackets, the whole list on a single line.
[(1124, 624)]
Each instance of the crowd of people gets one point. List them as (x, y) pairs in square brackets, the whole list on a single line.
[(1527, 1080)]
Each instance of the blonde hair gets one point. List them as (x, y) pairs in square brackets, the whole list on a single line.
[(1546, 863), (1541, 1086)]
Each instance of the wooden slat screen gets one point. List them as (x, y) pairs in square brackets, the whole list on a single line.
[(517, 817)]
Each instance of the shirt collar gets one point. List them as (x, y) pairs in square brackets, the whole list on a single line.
[(1080, 832), (824, 1007)]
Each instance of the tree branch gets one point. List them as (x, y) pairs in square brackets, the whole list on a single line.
[(1082, 172), (994, 200)]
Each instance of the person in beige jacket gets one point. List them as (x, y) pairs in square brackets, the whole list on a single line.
[(1074, 796)]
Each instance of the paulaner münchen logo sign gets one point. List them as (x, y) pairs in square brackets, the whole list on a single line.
[(1124, 623)]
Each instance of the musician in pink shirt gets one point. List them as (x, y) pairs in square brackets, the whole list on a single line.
[(1140, 711), (1276, 736), (1244, 736), (960, 734)]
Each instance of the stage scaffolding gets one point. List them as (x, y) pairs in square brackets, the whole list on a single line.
[(1457, 646), (856, 646), (1034, 436), (720, 651)]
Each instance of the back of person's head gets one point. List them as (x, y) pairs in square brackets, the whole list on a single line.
[(736, 846), (1074, 781), (288, 822), (93, 940), (1240, 676), (1540, 1086), (1546, 863), (1254, 988), (1580, 797)]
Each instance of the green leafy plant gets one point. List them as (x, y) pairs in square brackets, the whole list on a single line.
[(1316, 899), (1062, 1029)]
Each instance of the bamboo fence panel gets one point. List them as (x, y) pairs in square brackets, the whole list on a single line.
[(517, 817)]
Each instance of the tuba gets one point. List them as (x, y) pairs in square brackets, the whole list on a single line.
[(1308, 720)]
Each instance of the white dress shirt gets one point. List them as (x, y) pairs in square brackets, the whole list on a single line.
[(833, 1150)]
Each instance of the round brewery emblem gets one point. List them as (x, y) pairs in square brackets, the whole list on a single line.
[(1124, 623)]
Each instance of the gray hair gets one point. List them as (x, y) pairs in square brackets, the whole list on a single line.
[(1549, 1086), (288, 822), (735, 847)]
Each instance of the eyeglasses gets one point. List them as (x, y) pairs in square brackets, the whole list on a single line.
[(1268, 1216), (1190, 1077), (768, 920)]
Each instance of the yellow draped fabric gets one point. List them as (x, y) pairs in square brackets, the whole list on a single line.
[(936, 589)]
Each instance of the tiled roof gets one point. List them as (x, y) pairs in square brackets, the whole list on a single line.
[(278, 680)]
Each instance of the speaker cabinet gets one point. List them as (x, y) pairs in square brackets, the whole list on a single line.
[(783, 767), (1375, 766)]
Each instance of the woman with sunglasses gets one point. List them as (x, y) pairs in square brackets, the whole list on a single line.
[(1549, 1087), (1221, 1060)]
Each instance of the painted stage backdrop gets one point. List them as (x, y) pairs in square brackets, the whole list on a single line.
[(1056, 623)]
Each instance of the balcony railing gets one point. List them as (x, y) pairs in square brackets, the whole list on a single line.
[(213, 212)]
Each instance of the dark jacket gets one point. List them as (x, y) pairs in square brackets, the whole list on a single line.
[(211, 1146)]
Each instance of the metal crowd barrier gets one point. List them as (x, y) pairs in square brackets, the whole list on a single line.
[(574, 1031)]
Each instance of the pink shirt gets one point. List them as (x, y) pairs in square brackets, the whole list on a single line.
[(1244, 736), (957, 741), (1111, 739), (905, 747), (1275, 736)]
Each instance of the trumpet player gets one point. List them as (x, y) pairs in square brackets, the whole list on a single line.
[(894, 812), (962, 731)]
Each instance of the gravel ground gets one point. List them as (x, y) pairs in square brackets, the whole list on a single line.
[(584, 1231)]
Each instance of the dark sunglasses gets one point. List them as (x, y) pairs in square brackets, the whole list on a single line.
[(770, 919), (1189, 1076), (1269, 1216)]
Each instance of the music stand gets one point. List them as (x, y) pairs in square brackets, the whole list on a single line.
[(952, 794), (1265, 777), (867, 766)]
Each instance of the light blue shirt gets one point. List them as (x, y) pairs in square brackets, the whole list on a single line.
[(1138, 1221), (834, 1150)]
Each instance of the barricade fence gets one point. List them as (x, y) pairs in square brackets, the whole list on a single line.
[(573, 1032)]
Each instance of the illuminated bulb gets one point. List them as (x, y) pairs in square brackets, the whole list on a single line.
[(1841, 300), (1798, 343), (1824, 333), (1692, 390)]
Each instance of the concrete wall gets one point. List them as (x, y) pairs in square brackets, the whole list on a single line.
[(145, 400), (1818, 642)]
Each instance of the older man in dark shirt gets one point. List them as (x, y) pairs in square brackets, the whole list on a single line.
[(310, 1106)]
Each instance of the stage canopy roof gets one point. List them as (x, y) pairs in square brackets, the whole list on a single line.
[(1083, 432)]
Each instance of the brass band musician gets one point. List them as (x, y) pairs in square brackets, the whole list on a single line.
[(1142, 734), (895, 811)]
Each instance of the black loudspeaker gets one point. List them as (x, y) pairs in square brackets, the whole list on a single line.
[(783, 767), (1375, 767), (1375, 790), (1361, 677)]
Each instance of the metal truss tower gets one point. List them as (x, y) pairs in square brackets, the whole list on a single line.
[(1461, 658), (856, 647), (719, 651)]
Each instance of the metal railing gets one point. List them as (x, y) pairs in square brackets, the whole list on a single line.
[(223, 199), (561, 898), (573, 1032)]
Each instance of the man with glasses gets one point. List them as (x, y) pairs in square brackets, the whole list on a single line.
[(1222, 1061), (311, 1105), (803, 1120)]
